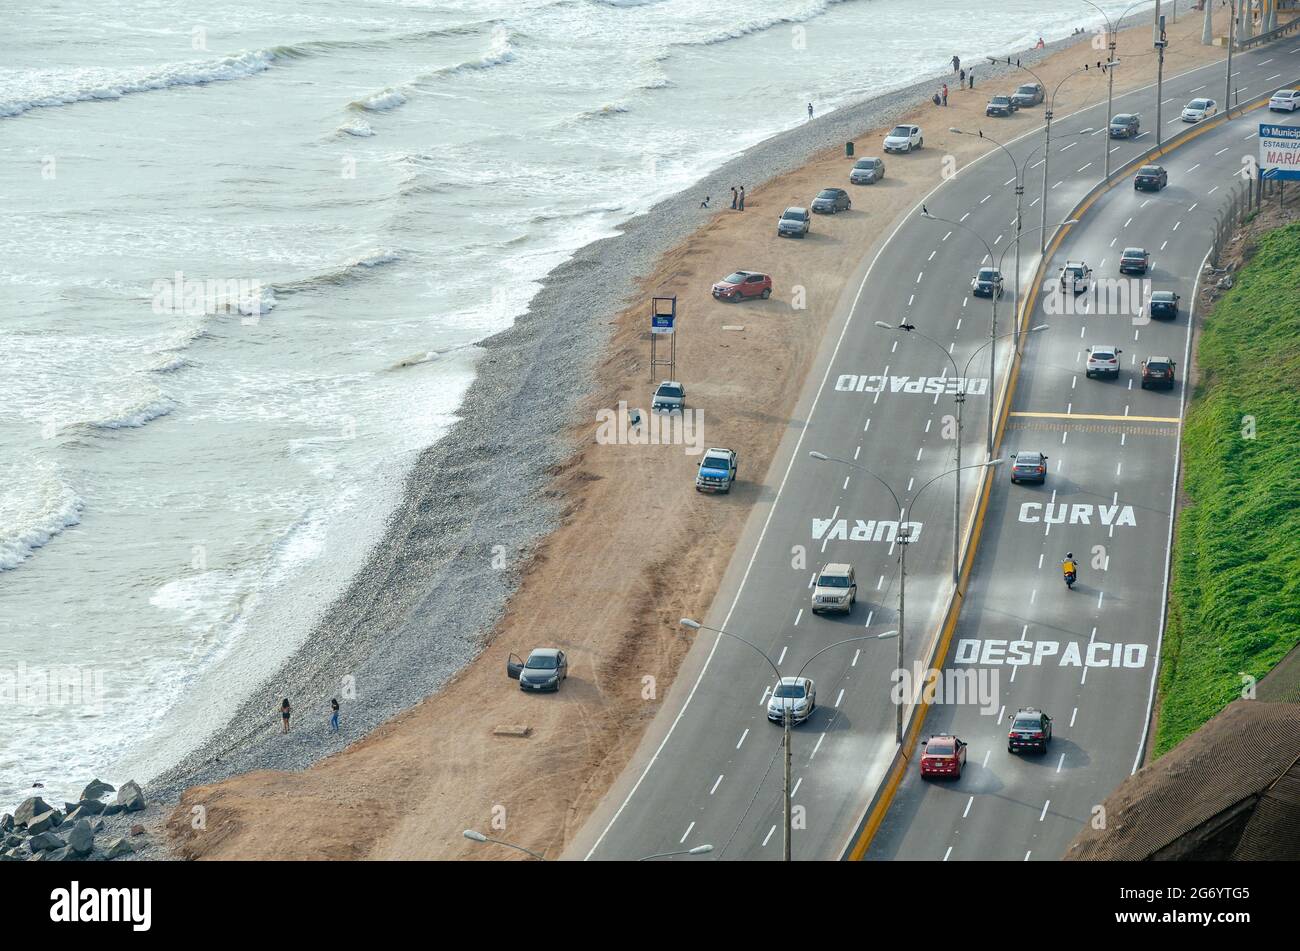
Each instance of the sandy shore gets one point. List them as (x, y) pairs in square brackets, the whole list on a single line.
[(519, 530)]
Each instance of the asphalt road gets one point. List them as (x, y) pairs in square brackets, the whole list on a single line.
[(709, 768)]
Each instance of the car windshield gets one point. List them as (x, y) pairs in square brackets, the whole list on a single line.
[(670, 391), (827, 193), (1198, 104), (1162, 297), (833, 581), (793, 214), (1027, 90), (939, 748), (901, 132), (1160, 367), (542, 662), (1028, 725), (790, 691), (715, 462), (736, 278), (865, 163), (1149, 170), (1000, 100)]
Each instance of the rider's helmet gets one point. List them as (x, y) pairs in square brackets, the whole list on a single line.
[(1070, 555)]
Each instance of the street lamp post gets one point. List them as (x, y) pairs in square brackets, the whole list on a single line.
[(1110, 68), (787, 716), (904, 539), (1227, 81)]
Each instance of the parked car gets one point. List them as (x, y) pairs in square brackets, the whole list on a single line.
[(1076, 277), (1126, 125), (830, 201), (835, 589), (1164, 304), (742, 284), (794, 223), (545, 669), (1157, 371), (795, 695), (1134, 261), (944, 756), (904, 138), (1030, 94), (1000, 106), (1284, 100), (987, 282), (717, 471), (1102, 361), (1028, 466), (1031, 729), (1199, 109), (1150, 178), (867, 171), (669, 396)]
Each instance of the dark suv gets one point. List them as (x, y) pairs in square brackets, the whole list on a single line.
[(831, 200), (1157, 371), (1164, 304), (1134, 261), (1150, 178), (1125, 126), (1031, 729), (1000, 106), (1030, 94), (987, 282)]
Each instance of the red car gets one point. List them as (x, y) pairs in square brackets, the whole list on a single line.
[(743, 284), (944, 755)]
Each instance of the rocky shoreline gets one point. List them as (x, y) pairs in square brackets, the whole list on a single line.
[(89, 830)]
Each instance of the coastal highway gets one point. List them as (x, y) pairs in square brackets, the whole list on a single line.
[(708, 769)]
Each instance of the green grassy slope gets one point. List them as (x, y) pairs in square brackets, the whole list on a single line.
[(1235, 589)]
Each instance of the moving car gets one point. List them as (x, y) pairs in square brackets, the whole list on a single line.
[(545, 669), (1030, 94), (1164, 304), (1028, 467), (1031, 729), (904, 138), (1134, 261), (944, 756), (793, 696), (1076, 277), (669, 396), (867, 171), (1150, 178), (1284, 100), (794, 223), (1103, 361), (1199, 109), (1000, 106), (1126, 125), (835, 589), (831, 200), (742, 284), (717, 471), (1157, 371), (987, 282)]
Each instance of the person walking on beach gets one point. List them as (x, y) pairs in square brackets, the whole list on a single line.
[(971, 77), (334, 715), (733, 197), (285, 710), (742, 197), (945, 94), (810, 110), (962, 80), (956, 63)]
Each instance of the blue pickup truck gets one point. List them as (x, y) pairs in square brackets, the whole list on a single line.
[(717, 471)]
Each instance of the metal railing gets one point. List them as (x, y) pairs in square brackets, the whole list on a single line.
[(1285, 29), (1244, 201)]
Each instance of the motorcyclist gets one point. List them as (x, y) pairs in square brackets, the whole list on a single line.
[(1068, 566)]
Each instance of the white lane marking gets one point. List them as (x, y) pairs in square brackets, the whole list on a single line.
[(1038, 163), (797, 783), (1000, 712), (1008, 181), (840, 698), (1127, 223), (1043, 814), (1163, 244), (947, 236), (742, 737), (867, 424), (818, 746), (1040, 561), (948, 853), (1273, 77), (1192, 207), (780, 660), (1058, 184), (919, 274), (969, 803), (963, 217), (1265, 62), (856, 654), (870, 615), (1027, 854), (985, 198), (1221, 151), (798, 617), (1213, 190), (1194, 167), (716, 783), (1251, 136), (1070, 146), (1035, 201), (687, 832), (932, 254), (1073, 715), (1145, 203), (767, 837), (1100, 595), (1118, 467), (881, 583), (1060, 763), (1112, 242), (846, 483), (856, 453), (1198, 88), (1140, 134), (1176, 224), (986, 758)]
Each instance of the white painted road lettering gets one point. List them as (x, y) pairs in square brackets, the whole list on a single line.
[(1020, 653), (1054, 513), (877, 383)]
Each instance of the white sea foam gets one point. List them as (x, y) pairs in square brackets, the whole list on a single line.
[(35, 506)]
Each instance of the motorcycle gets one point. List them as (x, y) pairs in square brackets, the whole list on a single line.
[(1069, 579)]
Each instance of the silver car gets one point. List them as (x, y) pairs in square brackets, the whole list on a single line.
[(795, 697), (1199, 109), (836, 589), (794, 223), (867, 171), (670, 396)]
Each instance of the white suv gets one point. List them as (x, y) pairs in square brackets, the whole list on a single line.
[(1103, 361), (836, 589), (904, 138)]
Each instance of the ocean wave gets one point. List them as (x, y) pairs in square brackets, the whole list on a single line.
[(746, 28), (357, 128), (389, 98), (169, 364), (604, 112), (35, 506), (500, 51), (350, 271), (135, 414)]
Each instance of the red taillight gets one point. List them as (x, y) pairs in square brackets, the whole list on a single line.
[(1042, 469), (1038, 736)]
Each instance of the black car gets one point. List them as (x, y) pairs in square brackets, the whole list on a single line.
[(1030, 94), (545, 669), (831, 200), (987, 283), (1125, 126), (1000, 106), (1134, 261), (1157, 371), (1151, 178), (1031, 729), (1164, 304), (1028, 467)]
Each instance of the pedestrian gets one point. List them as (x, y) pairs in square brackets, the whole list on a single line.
[(1040, 46), (285, 710), (705, 203), (810, 110), (945, 94), (956, 63), (971, 77), (334, 715), (936, 99), (733, 197), (742, 197), (962, 80)]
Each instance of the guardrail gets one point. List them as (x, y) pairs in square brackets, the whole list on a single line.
[(1246, 198), (1285, 30)]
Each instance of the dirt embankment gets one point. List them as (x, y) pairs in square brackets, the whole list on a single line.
[(637, 549)]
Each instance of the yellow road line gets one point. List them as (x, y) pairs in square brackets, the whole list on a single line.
[(1122, 419)]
